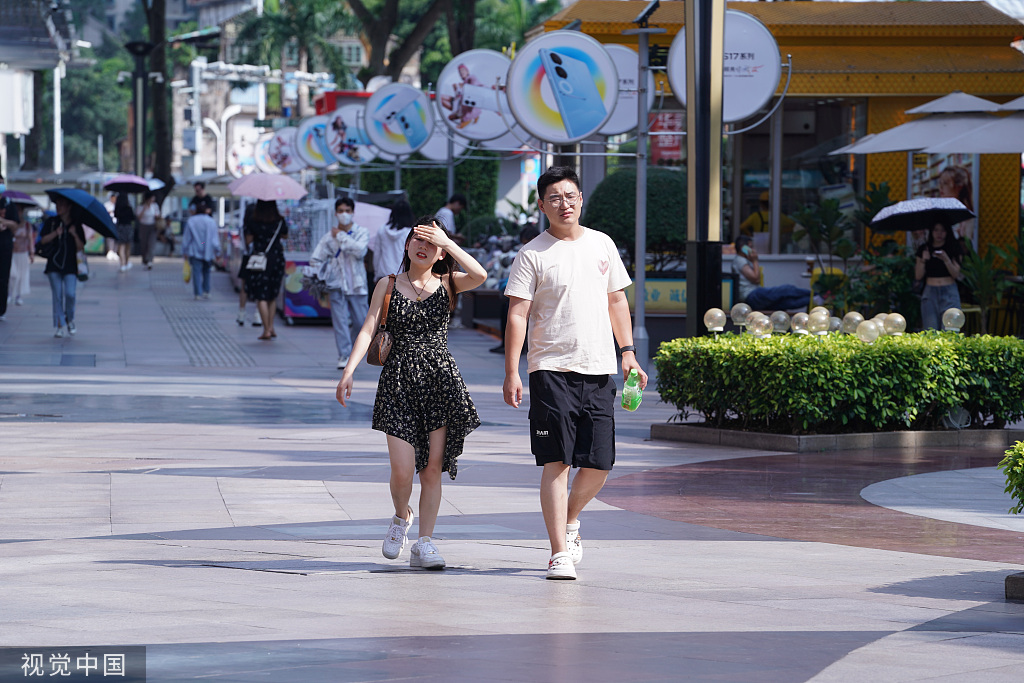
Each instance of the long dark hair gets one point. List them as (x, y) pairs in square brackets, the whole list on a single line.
[(266, 212), (951, 246), (401, 215), (444, 266)]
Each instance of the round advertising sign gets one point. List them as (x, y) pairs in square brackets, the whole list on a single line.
[(241, 159), (261, 155), (562, 87), (471, 95), (398, 118), (751, 66), (627, 63), (346, 136), (436, 148), (282, 150), (311, 142)]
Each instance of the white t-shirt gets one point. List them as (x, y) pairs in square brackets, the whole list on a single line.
[(447, 218), (568, 283), (388, 247)]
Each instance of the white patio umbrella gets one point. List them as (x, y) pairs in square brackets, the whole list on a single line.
[(914, 136), (1001, 136)]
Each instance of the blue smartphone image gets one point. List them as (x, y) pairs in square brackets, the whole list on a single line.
[(401, 114), (579, 102), (411, 126)]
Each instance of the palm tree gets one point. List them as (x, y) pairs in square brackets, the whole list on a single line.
[(309, 25)]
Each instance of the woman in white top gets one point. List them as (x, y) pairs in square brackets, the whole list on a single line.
[(388, 244), (147, 215)]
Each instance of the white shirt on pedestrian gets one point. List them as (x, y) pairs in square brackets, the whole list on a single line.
[(343, 255), (568, 282), (388, 246)]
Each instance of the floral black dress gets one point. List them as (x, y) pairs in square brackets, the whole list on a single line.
[(420, 387), (265, 285)]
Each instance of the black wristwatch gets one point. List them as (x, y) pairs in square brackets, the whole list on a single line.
[(630, 347)]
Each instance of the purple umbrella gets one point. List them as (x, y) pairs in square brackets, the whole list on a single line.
[(15, 197)]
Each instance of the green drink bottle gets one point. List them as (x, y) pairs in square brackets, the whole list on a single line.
[(632, 394)]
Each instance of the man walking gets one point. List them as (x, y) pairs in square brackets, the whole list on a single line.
[(338, 258), (568, 285), (447, 213), (200, 245)]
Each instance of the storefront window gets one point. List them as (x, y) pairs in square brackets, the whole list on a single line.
[(811, 128)]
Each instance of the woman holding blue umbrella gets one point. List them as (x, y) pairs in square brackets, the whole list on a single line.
[(61, 238)]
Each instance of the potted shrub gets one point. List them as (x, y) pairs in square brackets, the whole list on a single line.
[(1013, 467)]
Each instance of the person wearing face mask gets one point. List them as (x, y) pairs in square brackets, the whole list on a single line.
[(338, 259)]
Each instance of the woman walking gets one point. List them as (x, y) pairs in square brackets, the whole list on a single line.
[(422, 403), (389, 242), (21, 262), (938, 264), (148, 213), (264, 231), (124, 216), (61, 238)]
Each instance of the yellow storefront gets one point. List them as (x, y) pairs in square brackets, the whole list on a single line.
[(857, 66)]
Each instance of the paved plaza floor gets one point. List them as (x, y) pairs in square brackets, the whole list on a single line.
[(169, 481)]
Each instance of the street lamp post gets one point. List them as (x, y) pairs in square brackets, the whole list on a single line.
[(140, 49)]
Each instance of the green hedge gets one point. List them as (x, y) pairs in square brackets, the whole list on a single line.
[(799, 384)]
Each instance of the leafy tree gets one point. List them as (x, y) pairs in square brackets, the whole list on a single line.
[(91, 106), (380, 21), (612, 210), (504, 23), (309, 25)]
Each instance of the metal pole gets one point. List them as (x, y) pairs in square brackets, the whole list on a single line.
[(198, 65), (775, 182), (58, 137), (705, 32), (640, 337), (451, 168), (99, 152), (139, 99)]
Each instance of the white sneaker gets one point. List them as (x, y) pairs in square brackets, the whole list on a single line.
[(240, 319), (574, 542), (128, 266), (560, 567), (398, 536), (424, 554), (71, 327), (342, 362), (112, 256), (18, 301), (59, 332)]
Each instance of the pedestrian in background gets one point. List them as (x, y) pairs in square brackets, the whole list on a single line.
[(264, 233), (246, 250), (200, 245), (148, 213), (422, 402), (447, 213), (9, 223), (567, 285), (124, 217), (338, 257), (61, 238), (938, 264), (388, 244), (201, 202), (21, 262)]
